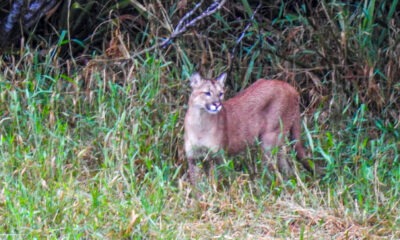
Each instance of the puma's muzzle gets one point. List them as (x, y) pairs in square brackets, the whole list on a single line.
[(214, 107)]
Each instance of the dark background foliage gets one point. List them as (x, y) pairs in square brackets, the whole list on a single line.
[(334, 51)]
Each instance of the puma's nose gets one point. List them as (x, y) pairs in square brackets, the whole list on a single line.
[(214, 107), (217, 104)]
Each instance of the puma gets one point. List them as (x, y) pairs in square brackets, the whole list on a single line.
[(264, 112)]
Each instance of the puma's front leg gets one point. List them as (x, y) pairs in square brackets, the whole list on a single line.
[(192, 171)]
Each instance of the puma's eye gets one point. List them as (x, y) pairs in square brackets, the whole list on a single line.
[(207, 93)]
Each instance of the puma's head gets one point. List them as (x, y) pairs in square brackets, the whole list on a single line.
[(207, 94)]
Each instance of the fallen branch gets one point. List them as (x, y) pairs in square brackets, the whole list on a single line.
[(183, 26)]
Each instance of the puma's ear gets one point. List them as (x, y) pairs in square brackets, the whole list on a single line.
[(221, 79), (195, 80)]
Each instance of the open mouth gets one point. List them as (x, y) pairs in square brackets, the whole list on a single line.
[(211, 108)]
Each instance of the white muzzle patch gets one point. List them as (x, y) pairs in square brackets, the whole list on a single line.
[(213, 108)]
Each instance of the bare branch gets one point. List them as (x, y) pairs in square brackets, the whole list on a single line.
[(183, 27), (36, 10), (244, 31), (210, 10), (189, 14)]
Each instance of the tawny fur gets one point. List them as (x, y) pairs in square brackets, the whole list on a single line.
[(265, 111)]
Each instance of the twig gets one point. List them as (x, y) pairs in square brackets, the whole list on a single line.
[(36, 10), (179, 29), (183, 27), (187, 15), (244, 32)]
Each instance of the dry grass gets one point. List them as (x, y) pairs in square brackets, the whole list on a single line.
[(235, 214)]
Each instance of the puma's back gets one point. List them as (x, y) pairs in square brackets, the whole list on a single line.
[(267, 106)]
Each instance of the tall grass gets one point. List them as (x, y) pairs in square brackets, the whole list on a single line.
[(108, 163), (95, 151)]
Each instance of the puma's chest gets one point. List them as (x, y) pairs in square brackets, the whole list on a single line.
[(206, 138)]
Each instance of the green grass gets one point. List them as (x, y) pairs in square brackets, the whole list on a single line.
[(108, 163)]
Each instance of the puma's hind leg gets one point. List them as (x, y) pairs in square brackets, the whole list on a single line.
[(272, 142)]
